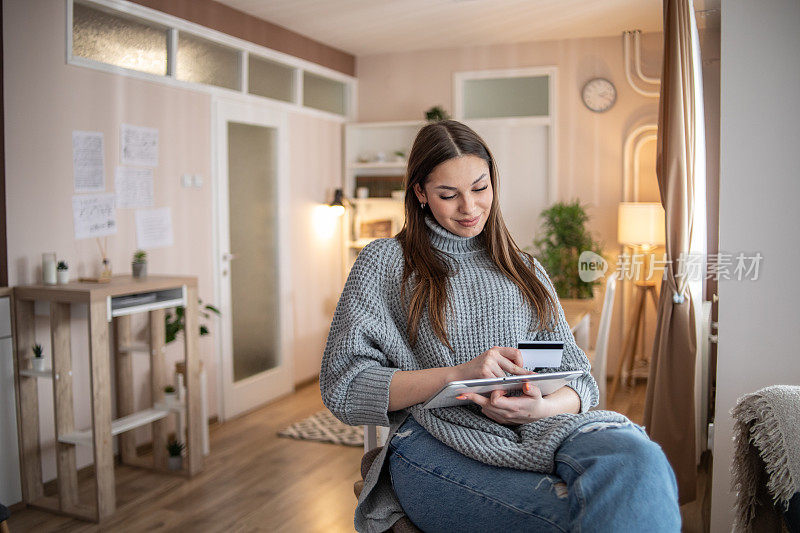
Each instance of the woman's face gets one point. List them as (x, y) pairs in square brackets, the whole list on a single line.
[(459, 194)]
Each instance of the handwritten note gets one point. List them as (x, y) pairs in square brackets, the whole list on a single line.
[(87, 161), (139, 146), (154, 228), (134, 187), (94, 215)]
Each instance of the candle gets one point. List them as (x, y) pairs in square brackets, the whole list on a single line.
[(49, 268)]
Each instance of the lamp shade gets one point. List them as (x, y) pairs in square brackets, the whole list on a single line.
[(641, 224)]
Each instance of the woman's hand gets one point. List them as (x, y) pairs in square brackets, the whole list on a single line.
[(493, 363), (528, 407)]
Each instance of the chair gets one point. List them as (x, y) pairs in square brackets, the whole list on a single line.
[(4, 515), (599, 355), (403, 524)]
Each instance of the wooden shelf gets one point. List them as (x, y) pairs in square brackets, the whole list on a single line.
[(110, 305), (120, 425), (31, 373), (171, 406)]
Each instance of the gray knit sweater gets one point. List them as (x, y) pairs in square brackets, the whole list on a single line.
[(368, 342)]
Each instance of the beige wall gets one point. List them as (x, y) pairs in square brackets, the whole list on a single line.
[(45, 100), (402, 86), (758, 192)]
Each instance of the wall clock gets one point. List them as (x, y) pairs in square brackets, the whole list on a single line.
[(599, 95)]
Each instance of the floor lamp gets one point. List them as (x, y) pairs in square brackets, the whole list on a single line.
[(641, 225)]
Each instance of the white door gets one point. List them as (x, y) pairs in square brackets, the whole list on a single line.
[(252, 254), (522, 151)]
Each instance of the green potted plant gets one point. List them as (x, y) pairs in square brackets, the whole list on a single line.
[(139, 264), (38, 361), (174, 324), (564, 236), (175, 459), (436, 113), (169, 394), (63, 272)]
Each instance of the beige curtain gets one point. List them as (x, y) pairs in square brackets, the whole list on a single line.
[(680, 165)]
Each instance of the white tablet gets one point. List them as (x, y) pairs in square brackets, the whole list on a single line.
[(548, 383)]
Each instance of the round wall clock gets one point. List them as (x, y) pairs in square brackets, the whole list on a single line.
[(599, 94)]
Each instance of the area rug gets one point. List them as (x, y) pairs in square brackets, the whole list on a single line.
[(324, 427)]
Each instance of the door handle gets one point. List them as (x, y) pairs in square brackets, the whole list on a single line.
[(228, 257)]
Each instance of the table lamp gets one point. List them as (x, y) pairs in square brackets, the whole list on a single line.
[(642, 226)]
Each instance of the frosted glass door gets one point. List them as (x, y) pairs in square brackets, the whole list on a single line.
[(253, 271)]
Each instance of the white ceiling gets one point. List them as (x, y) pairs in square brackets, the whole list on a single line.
[(365, 27)]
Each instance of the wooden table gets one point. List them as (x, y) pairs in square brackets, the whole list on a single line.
[(114, 301)]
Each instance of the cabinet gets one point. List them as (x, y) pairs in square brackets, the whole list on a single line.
[(375, 156)]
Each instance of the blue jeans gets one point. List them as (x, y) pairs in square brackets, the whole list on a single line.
[(608, 478)]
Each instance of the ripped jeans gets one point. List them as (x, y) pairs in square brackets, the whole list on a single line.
[(609, 477)]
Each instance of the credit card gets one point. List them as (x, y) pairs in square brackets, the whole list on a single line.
[(541, 354)]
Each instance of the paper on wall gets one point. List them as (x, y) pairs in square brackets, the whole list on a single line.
[(134, 187), (138, 145), (153, 228), (94, 215), (87, 161)]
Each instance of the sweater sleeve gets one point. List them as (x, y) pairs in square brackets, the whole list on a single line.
[(574, 358), (356, 371)]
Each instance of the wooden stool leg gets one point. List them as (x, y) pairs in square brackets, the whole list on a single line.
[(157, 383), (101, 409), (637, 331), (62, 404), (630, 343)]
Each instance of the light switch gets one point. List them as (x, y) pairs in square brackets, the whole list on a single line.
[(186, 180), (198, 180)]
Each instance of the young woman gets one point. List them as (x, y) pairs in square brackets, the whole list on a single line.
[(448, 299)]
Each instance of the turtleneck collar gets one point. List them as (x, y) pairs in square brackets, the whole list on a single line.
[(451, 243)]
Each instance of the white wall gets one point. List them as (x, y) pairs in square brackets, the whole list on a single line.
[(759, 192), (45, 100)]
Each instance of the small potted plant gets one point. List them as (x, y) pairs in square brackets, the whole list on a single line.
[(175, 459), (38, 358), (169, 394), (139, 264), (63, 272), (436, 113)]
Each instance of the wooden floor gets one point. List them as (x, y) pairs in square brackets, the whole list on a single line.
[(253, 481), (695, 515), (256, 481)]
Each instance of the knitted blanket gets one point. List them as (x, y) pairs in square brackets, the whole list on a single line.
[(766, 464)]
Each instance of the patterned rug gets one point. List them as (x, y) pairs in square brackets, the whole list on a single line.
[(324, 427)]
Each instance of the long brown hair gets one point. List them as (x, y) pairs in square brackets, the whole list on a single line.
[(427, 266)]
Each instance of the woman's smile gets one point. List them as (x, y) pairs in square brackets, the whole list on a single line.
[(469, 222)]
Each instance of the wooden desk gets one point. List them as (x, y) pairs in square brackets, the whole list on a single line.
[(114, 301)]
